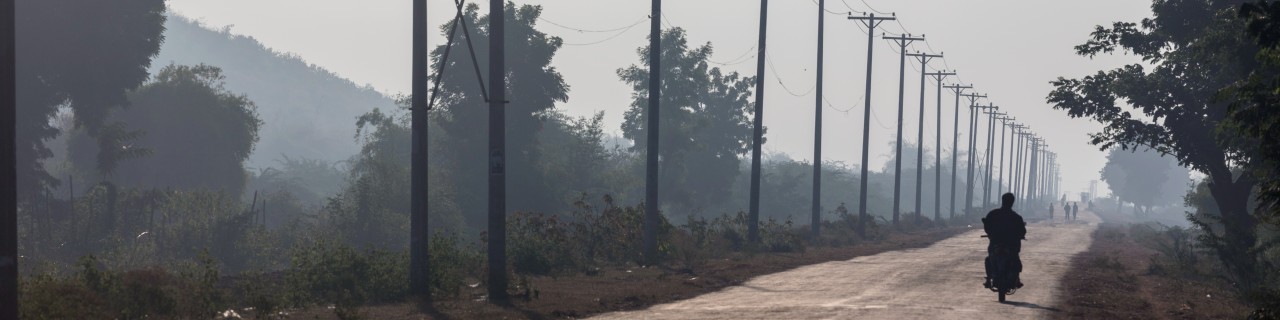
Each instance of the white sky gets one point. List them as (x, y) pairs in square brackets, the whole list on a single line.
[(1008, 49)]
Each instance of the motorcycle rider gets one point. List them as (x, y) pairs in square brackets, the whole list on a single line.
[(1004, 228)]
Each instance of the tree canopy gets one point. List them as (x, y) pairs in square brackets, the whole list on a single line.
[(197, 133), (85, 55), (1145, 178), (704, 126)]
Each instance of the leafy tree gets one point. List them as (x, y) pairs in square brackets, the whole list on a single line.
[(1145, 178), (1253, 113), (1195, 49), (704, 126), (198, 134), (84, 55), (534, 87)]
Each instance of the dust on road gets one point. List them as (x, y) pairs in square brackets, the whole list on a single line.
[(942, 281)]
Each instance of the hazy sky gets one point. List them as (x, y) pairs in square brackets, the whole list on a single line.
[(1008, 49)]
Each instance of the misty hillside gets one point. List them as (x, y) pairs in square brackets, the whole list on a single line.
[(307, 111)]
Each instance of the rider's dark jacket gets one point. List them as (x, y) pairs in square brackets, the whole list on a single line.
[(1004, 226)]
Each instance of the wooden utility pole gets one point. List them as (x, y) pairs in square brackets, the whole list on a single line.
[(650, 237), (757, 136), (871, 22), (419, 281), (497, 152), (924, 68), (902, 42), (816, 225), (955, 143), (8, 166), (937, 154)]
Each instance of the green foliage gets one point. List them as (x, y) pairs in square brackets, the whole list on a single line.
[(704, 122), (1195, 50), (329, 272), (196, 134), (1144, 177), (85, 56), (94, 292)]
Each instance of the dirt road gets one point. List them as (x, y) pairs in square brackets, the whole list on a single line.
[(942, 281)]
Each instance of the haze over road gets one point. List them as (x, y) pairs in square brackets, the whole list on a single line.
[(942, 281)]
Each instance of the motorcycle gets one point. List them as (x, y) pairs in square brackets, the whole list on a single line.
[(1004, 275)]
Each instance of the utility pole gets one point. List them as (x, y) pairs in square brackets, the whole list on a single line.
[(1021, 164), (973, 104), (816, 225), (937, 153), (955, 143), (757, 138), (650, 237), (872, 22), (973, 147), (924, 68), (419, 272), (1031, 177), (1004, 123), (497, 152), (902, 42), (991, 139), (8, 165)]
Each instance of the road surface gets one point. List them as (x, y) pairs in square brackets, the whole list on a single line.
[(942, 281)]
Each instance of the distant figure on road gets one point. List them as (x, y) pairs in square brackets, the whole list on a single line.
[(1051, 212), (1066, 211), (1075, 211), (1004, 228)]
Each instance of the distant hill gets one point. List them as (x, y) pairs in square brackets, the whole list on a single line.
[(308, 112)]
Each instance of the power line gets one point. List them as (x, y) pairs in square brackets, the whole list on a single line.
[(773, 69), (815, 2), (864, 2), (846, 5), (737, 60), (620, 33), (590, 30)]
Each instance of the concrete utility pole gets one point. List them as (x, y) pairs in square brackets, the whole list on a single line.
[(937, 153), (757, 137), (817, 128), (991, 139), (419, 281), (955, 143), (1004, 123), (650, 237), (8, 165), (968, 193), (497, 152), (977, 121), (924, 68), (872, 22), (1021, 164), (1031, 174), (902, 42)]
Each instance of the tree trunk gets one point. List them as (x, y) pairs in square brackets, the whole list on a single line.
[(1239, 233)]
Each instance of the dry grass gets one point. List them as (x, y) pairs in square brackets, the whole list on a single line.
[(620, 289), (1114, 279)]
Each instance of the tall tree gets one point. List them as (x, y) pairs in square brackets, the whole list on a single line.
[(705, 124), (1145, 178), (1253, 113), (197, 133), (1194, 49), (533, 89), (83, 55)]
